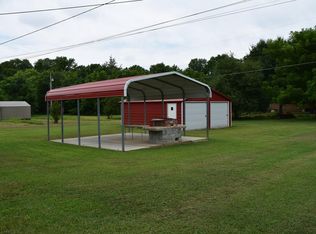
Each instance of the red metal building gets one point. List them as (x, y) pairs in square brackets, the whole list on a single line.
[(194, 117)]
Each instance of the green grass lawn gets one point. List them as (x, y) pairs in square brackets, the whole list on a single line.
[(259, 176)]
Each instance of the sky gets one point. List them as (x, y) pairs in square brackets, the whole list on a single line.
[(175, 45)]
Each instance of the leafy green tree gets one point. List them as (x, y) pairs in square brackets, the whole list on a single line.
[(9, 68), (200, 76), (42, 65), (161, 67), (111, 69), (199, 65), (64, 64), (111, 107), (57, 64), (271, 80), (311, 93), (229, 75), (22, 86), (259, 53), (134, 70)]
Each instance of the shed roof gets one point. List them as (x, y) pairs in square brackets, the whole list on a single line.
[(155, 86), (13, 103), (221, 94)]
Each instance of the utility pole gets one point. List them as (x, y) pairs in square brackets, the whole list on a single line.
[(50, 81)]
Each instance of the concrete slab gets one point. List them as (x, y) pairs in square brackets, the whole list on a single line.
[(134, 141)]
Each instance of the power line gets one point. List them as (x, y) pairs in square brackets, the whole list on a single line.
[(127, 34), (268, 68), (150, 28), (137, 29), (62, 8), (234, 12), (165, 22), (53, 24), (242, 10), (58, 22)]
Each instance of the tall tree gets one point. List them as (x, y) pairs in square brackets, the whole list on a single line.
[(161, 67), (9, 68)]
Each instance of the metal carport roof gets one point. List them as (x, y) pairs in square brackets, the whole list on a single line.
[(166, 85)]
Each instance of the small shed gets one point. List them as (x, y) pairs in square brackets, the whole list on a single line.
[(220, 107), (15, 110)]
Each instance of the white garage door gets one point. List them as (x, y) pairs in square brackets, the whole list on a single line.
[(195, 115), (219, 115)]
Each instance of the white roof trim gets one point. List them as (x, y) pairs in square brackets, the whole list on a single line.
[(161, 75), (13, 103)]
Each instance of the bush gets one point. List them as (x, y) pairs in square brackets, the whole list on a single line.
[(259, 115), (304, 115), (55, 111)]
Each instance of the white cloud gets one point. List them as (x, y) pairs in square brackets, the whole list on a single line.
[(177, 45)]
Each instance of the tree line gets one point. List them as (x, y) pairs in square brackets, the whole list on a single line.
[(278, 70)]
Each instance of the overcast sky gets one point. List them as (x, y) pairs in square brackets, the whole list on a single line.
[(178, 45)]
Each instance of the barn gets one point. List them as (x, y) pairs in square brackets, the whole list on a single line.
[(14, 110), (193, 115)]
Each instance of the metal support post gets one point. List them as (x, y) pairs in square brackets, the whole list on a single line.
[(122, 125), (145, 112), (48, 122), (183, 113), (207, 116), (99, 124), (62, 120), (163, 107), (129, 114), (78, 121)]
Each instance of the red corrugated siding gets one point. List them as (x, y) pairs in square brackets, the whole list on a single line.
[(179, 112), (154, 110), (216, 96)]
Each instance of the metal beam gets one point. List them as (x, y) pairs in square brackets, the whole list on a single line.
[(171, 84), (78, 121), (183, 98), (48, 122), (145, 112), (122, 125), (161, 93), (62, 120), (163, 107), (183, 114), (99, 124), (129, 110)]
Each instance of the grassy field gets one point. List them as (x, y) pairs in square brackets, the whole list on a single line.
[(259, 176)]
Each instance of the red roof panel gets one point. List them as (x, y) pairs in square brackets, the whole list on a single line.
[(105, 88)]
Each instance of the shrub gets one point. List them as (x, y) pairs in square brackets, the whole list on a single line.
[(55, 111)]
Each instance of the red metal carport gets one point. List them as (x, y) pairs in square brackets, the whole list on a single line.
[(162, 86)]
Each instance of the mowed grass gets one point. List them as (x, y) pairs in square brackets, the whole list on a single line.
[(259, 176)]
